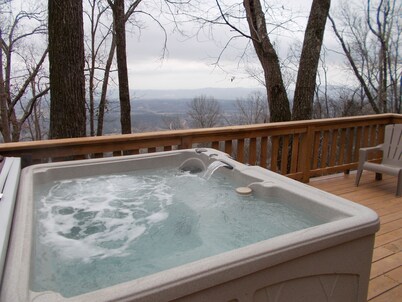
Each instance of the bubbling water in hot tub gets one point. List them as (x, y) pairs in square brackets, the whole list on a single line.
[(99, 231)]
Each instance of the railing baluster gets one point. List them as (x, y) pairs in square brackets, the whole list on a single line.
[(240, 150), (274, 153), (295, 153), (381, 132), (366, 131), (215, 145), (228, 147), (285, 154), (349, 146), (325, 146), (264, 151), (316, 149), (306, 153), (373, 134), (334, 145), (342, 147), (186, 142), (358, 139), (253, 151)]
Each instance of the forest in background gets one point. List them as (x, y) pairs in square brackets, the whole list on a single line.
[(296, 83)]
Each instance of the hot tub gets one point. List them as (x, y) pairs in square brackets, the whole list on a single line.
[(10, 168), (252, 256)]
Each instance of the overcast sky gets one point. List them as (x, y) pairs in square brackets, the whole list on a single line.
[(189, 62)]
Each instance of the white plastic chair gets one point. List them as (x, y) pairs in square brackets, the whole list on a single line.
[(391, 156)]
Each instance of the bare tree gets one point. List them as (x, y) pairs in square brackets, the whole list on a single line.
[(98, 36), (371, 44), (251, 110), (119, 23), (124, 16), (37, 121), (5, 126), (204, 112), (344, 101), (105, 84), (321, 91), (173, 122), (259, 15), (20, 70), (381, 30)]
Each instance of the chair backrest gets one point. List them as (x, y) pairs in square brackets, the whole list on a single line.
[(392, 147)]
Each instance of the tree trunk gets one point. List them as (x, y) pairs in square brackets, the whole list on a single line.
[(102, 102), (307, 73), (15, 126), (277, 98), (124, 93), (66, 66), (4, 126), (383, 77), (91, 65), (92, 97)]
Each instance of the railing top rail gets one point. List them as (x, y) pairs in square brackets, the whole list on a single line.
[(172, 134)]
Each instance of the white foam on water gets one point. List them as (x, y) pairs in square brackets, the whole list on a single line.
[(95, 218), (157, 217)]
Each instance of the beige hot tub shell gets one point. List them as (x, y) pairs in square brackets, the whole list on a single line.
[(328, 262)]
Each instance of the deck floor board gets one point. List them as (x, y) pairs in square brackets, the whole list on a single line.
[(386, 270)]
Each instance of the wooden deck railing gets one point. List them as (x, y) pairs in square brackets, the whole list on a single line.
[(300, 150)]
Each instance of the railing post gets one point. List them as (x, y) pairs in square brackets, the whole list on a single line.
[(306, 154), (186, 142), (395, 119)]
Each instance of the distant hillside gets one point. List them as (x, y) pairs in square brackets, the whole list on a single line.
[(217, 93), (149, 114), (152, 109)]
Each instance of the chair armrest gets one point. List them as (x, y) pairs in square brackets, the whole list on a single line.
[(369, 149), (363, 153)]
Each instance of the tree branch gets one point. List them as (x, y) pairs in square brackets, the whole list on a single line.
[(229, 24), (31, 104), (354, 67), (29, 79)]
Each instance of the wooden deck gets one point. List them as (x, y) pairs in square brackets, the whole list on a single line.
[(386, 270)]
